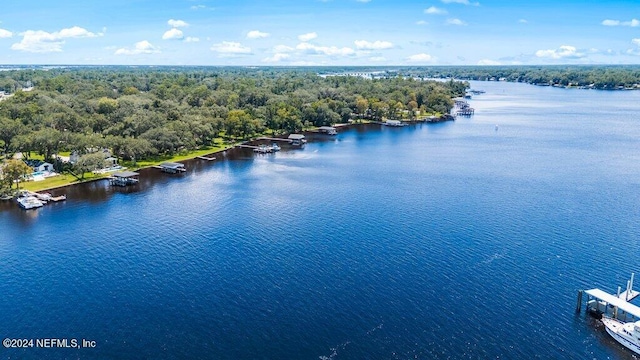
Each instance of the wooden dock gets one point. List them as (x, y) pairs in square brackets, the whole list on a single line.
[(247, 146)]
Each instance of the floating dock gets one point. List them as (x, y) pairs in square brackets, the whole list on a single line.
[(205, 158)]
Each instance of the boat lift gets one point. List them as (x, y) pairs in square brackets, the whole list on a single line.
[(600, 303)]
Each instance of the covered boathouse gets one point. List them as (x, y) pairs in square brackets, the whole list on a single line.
[(297, 139), (172, 168), (617, 306), (124, 178), (329, 130)]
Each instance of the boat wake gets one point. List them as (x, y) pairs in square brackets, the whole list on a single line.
[(336, 349), (492, 258)]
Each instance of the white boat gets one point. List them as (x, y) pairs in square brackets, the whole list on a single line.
[(627, 334), (29, 202), (275, 147)]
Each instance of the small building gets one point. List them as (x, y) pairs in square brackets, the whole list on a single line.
[(39, 165), (111, 161), (393, 123), (124, 178), (172, 168), (329, 130), (297, 139)]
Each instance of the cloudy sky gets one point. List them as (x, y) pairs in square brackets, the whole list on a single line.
[(319, 32)]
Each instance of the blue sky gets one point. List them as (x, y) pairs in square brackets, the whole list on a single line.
[(319, 32)]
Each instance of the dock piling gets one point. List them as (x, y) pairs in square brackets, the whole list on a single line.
[(579, 304)]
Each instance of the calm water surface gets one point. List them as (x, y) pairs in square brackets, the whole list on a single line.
[(451, 240)]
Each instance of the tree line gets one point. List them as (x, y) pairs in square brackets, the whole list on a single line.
[(612, 77), (139, 113)]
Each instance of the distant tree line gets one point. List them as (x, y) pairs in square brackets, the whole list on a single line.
[(596, 77), (142, 112)]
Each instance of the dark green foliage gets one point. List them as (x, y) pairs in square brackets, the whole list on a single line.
[(141, 112)]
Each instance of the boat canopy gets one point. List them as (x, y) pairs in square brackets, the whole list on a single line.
[(613, 300)]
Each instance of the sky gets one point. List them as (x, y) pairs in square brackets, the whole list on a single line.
[(319, 32)]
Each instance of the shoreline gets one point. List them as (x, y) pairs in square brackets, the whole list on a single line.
[(194, 157), (244, 142)]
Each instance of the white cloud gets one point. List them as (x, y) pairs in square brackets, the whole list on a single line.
[(376, 45), (378, 58), (523, 21), (435, 11), (255, 34), (631, 23), (456, 22), (635, 51), (282, 49), (325, 50), (563, 52), (5, 34), (308, 36), (191, 39), (489, 62), (422, 58), (173, 34), (421, 22), (463, 2), (230, 48), (42, 42), (198, 7), (277, 57), (177, 23), (141, 47)]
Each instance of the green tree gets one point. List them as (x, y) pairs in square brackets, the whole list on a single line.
[(15, 170), (89, 162), (9, 129)]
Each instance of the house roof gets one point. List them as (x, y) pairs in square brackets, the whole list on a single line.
[(36, 163)]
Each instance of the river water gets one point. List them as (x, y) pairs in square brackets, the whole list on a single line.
[(465, 239)]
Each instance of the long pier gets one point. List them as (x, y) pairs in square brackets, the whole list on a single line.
[(205, 158), (248, 146)]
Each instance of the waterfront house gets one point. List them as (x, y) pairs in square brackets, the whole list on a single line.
[(39, 165)]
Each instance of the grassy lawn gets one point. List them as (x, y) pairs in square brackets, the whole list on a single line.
[(57, 181), (178, 157)]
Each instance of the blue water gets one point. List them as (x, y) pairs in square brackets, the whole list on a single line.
[(450, 240)]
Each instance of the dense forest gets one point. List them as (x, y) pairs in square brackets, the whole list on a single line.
[(148, 111)]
